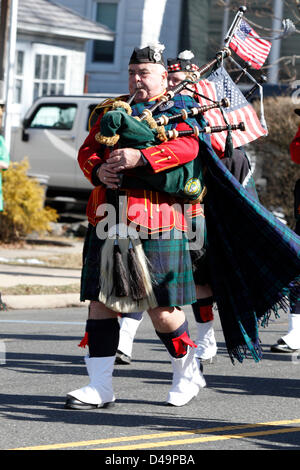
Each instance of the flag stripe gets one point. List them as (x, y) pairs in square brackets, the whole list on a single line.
[(250, 54), (251, 50), (255, 43), (248, 121), (248, 58), (256, 40)]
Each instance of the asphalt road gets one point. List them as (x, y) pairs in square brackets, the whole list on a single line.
[(249, 406)]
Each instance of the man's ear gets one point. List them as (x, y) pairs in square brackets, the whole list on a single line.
[(165, 78)]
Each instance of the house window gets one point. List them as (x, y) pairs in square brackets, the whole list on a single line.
[(106, 14), (19, 77), (49, 75)]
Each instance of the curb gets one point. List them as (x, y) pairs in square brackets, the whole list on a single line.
[(15, 302)]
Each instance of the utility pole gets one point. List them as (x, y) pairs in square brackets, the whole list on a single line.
[(276, 45), (225, 23), (10, 70), (4, 27)]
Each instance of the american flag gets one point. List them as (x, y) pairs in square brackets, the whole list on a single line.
[(247, 44), (219, 85)]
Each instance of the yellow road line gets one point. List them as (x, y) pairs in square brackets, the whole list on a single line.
[(167, 434), (152, 445)]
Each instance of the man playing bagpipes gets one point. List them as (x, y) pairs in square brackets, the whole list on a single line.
[(161, 244)]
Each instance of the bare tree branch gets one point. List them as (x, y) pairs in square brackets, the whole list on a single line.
[(263, 28)]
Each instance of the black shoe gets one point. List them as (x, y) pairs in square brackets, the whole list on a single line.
[(200, 365), (122, 358), (74, 404), (282, 347)]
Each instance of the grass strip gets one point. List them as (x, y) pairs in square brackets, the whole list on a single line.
[(23, 289), (66, 261)]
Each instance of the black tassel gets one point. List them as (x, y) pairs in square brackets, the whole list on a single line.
[(228, 152), (228, 145), (136, 283), (119, 274)]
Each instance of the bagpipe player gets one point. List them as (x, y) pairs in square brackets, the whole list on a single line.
[(167, 253)]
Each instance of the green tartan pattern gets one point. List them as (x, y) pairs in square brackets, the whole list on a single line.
[(169, 261), (171, 269)]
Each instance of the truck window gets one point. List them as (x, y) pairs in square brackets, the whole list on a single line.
[(53, 116)]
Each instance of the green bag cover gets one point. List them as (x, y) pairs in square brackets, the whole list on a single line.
[(133, 133), (185, 181)]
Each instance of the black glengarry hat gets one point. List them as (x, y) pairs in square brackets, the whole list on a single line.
[(151, 54), (183, 63)]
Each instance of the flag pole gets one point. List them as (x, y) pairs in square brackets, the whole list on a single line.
[(244, 70), (234, 26)]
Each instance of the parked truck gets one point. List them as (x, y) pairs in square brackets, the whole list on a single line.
[(52, 131)]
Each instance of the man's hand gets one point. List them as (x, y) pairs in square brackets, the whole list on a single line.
[(124, 159), (108, 177)]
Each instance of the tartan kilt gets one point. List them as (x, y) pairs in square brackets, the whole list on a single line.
[(170, 264)]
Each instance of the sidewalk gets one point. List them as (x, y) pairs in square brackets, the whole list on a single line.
[(21, 272)]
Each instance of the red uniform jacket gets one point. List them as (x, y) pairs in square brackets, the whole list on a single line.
[(151, 210), (295, 147)]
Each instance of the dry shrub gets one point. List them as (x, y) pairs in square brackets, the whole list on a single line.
[(24, 210), (274, 156)]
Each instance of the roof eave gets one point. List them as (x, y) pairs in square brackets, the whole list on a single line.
[(80, 34)]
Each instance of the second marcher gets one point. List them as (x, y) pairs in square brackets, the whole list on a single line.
[(178, 70)]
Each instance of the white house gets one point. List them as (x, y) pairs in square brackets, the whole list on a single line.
[(136, 23), (50, 52)]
